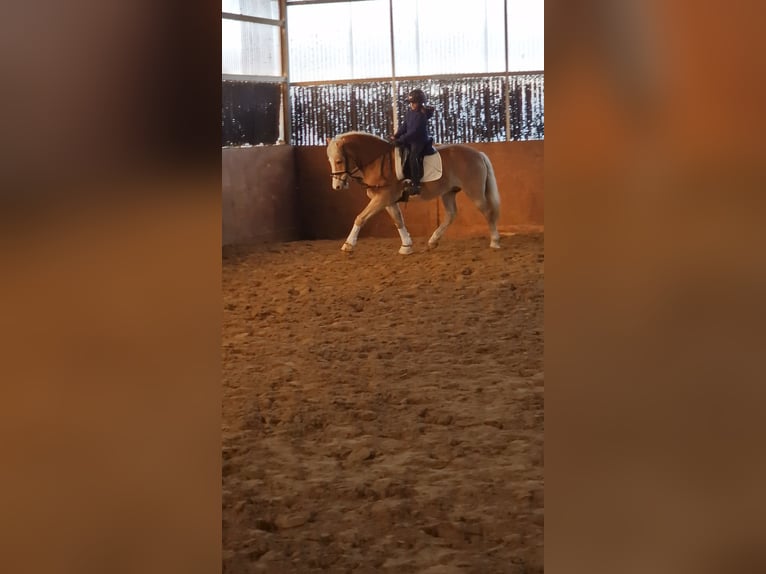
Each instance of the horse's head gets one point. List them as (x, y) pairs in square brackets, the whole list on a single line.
[(339, 167)]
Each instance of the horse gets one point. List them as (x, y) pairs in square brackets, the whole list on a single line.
[(369, 160)]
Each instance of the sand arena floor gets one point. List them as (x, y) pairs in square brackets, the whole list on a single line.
[(383, 413)]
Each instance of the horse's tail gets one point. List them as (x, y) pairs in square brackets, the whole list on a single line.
[(491, 194)]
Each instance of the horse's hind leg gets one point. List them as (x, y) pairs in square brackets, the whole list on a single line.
[(491, 215), (450, 210), (490, 207), (396, 215)]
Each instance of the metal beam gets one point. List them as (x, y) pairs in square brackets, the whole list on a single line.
[(507, 78), (251, 78), (286, 119), (302, 2), (252, 19), (394, 103), (420, 78)]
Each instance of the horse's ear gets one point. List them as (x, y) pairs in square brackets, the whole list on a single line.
[(329, 140)]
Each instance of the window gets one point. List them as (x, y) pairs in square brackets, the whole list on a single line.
[(338, 41), (250, 49), (448, 36), (254, 85), (526, 35)]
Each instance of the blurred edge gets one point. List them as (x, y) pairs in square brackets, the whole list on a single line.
[(110, 247), (654, 190)]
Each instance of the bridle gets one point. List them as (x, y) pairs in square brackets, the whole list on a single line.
[(345, 173)]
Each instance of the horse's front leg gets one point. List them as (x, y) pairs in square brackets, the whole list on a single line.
[(396, 215), (376, 204)]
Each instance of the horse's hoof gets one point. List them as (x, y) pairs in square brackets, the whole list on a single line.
[(405, 250), (347, 247), (433, 244), (495, 245)]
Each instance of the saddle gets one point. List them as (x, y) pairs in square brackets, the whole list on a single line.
[(431, 159)]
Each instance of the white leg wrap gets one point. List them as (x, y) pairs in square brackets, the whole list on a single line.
[(405, 235), (354, 235)]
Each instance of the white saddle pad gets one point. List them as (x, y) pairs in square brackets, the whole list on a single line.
[(432, 167)]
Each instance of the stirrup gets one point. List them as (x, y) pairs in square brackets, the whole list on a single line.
[(405, 191), (409, 186)]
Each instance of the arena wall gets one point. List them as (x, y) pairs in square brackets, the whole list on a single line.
[(259, 195), (281, 193)]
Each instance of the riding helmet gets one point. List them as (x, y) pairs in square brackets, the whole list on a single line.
[(417, 95)]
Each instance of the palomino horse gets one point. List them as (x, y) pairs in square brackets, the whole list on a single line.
[(369, 160)]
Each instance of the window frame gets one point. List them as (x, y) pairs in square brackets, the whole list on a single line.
[(285, 128)]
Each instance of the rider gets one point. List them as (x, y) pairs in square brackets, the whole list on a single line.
[(413, 134)]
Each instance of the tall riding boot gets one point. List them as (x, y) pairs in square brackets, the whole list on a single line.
[(416, 163), (407, 187)]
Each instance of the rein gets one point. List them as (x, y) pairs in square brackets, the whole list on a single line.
[(357, 169)]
